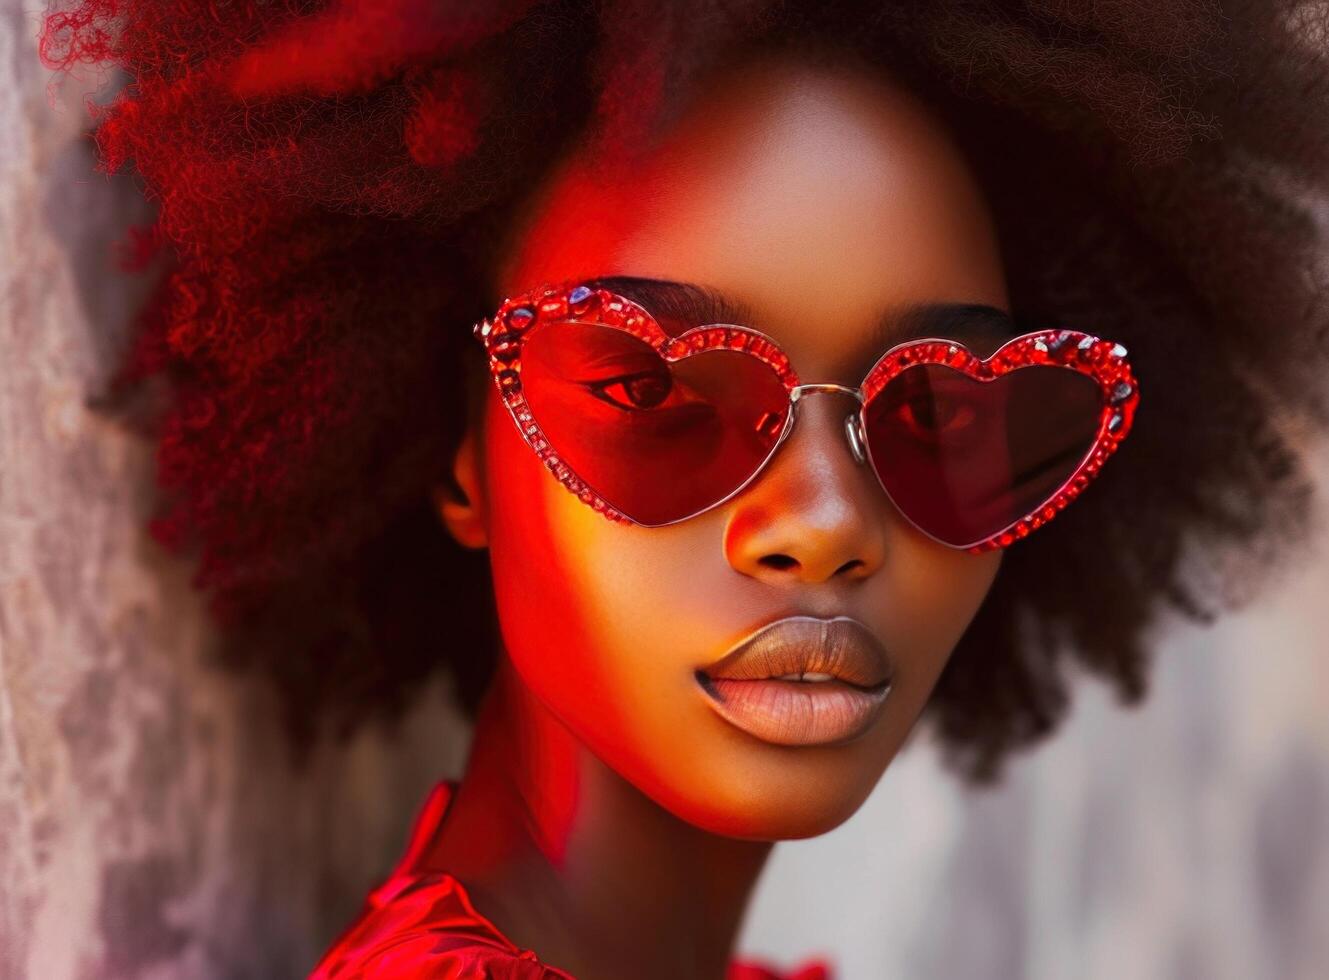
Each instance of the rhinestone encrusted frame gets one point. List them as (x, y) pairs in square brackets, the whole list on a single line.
[(1102, 360)]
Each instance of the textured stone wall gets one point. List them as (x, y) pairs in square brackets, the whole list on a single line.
[(150, 827), (149, 823)]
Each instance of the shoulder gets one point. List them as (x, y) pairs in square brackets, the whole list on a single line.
[(424, 928), (436, 956)]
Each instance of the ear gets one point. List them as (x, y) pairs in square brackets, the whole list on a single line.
[(465, 518)]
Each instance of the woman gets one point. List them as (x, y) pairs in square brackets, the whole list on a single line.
[(786, 544)]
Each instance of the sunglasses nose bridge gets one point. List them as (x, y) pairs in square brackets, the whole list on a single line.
[(853, 430), (853, 426)]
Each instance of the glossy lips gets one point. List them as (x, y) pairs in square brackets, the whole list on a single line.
[(750, 686)]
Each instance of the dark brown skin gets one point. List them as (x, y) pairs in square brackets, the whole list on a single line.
[(609, 819)]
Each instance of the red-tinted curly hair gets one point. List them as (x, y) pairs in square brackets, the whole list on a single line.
[(334, 177)]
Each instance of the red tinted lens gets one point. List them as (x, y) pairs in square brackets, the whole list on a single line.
[(659, 441), (965, 459)]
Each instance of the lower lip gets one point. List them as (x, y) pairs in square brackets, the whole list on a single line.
[(795, 712)]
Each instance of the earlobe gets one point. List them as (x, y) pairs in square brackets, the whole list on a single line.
[(465, 518)]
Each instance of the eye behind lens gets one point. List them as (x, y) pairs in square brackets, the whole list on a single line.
[(641, 392)]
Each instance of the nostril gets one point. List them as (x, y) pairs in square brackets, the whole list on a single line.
[(783, 562)]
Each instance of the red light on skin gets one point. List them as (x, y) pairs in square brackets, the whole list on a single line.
[(510, 726), (594, 213)]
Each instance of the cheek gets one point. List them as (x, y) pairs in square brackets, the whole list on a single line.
[(584, 603), (932, 596), (536, 540)]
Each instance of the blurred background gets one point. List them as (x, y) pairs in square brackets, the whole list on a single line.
[(150, 826)]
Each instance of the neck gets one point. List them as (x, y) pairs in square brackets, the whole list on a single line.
[(570, 860)]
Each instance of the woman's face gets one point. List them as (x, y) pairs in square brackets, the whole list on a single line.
[(820, 202)]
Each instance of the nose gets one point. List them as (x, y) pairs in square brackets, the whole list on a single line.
[(815, 513)]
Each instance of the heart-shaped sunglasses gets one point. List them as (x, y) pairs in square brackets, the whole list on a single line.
[(653, 428)]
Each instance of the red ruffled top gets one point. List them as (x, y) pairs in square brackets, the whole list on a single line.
[(422, 926)]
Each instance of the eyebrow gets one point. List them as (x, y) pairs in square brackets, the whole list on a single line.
[(979, 326)]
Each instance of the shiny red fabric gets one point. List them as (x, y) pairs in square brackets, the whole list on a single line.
[(424, 927)]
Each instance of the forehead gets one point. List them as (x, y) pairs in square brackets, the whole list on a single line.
[(819, 199)]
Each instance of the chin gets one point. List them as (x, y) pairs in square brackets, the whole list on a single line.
[(765, 803), (769, 823)]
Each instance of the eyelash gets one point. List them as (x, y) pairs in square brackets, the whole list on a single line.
[(598, 388)]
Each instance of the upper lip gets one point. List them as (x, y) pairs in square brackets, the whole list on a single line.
[(842, 647)]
